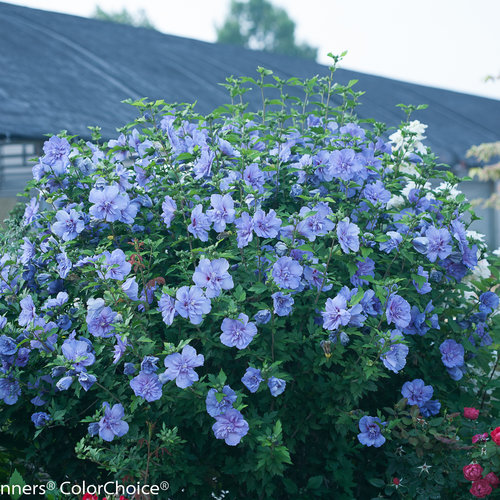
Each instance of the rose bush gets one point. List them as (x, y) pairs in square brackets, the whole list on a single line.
[(281, 304)]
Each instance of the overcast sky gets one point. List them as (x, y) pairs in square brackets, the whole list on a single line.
[(452, 44)]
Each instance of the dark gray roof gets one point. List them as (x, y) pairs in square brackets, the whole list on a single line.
[(67, 72)]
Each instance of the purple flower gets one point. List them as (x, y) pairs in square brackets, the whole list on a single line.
[(217, 406), (438, 243), (147, 386), (10, 390), (398, 311), (148, 364), (395, 358), (230, 426), (68, 225), (237, 332), (244, 226), (344, 164), (86, 380), (262, 317), (131, 288), (116, 265), (276, 386), (335, 313), (282, 303), (222, 212), (252, 379), (8, 346), (213, 276), (31, 212), (180, 366), (452, 353), (254, 177), (488, 302), (29, 251), (64, 383), (192, 304), (287, 273), (416, 392), (100, 318), (64, 264), (376, 193), (40, 418), (200, 225), (430, 408), (108, 203), (166, 305), (60, 300), (426, 286), (348, 236), (28, 311), (203, 166), (169, 207), (120, 348), (371, 431), (111, 424), (392, 243), (366, 267), (317, 224), (266, 226), (78, 351), (56, 151)]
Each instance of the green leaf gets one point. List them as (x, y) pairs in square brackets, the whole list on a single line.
[(16, 480), (375, 481)]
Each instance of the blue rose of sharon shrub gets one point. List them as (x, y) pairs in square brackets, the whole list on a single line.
[(258, 303)]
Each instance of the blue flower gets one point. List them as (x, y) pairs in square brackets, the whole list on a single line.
[(395, 358), (191, 303), (230, 426), (488, 302), (317, 224), (336, 313), (262, 317), (148, 364), (180, 366), (200, 225), (371, 431), (237, 332), (216, 406), (131, 288), (452, 353), (100, 318), (40, 418), (282, 303), (393, 242), (266, 226), (166, 305), (68, 225), (366, 267), (276, 386), (78, 351), (252, 379), (116, 265), (398, 311), (111, 424), (222, 212), (213, 276), (86, 380), (8, 346), (28, 311), (426, 286), (244, 225), (416, 392), (347, 234), (10, 390), (344, 164), (287, 273), (430, 408), (108, 203), (147, 386), (169, 207), (438, 243)]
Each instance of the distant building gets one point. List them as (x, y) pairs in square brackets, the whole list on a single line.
[(67, 72)]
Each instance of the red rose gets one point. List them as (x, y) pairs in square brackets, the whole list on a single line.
[(481, 488), (495, 435), (396, 481), (492, 478), (88, 496), (473, 472), (471, 413)]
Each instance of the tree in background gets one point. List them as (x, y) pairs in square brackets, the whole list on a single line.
[(138, 19), (257, 24)]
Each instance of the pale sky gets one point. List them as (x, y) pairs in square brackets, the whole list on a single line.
[(451, 44)]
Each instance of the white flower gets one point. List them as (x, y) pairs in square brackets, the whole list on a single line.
[(475, 235), (398, 140), (415, 127), (408, 168), (446, 186), (396, 201), (497, 252), (482, 270)]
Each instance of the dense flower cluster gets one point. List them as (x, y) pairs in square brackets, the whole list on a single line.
[(316, 259)]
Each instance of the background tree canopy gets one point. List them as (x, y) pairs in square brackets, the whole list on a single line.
[(138, 19), (257, 24)]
